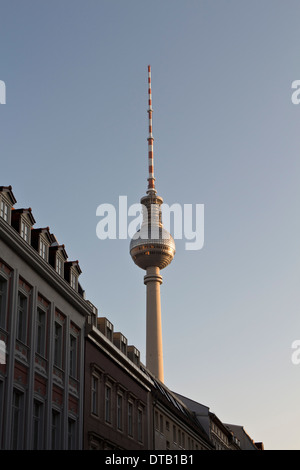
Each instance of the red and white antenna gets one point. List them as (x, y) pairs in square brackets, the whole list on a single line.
[(151, 179)]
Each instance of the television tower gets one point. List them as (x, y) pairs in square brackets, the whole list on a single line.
[(152, 248)]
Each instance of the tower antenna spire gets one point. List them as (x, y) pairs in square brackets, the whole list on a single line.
[(151, 179)]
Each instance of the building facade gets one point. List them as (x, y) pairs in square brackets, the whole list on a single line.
[(42, 324), (117, 414)]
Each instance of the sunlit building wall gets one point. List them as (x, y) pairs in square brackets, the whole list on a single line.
[(42, 319)]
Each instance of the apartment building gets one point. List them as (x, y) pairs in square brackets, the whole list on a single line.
[(42, 323)]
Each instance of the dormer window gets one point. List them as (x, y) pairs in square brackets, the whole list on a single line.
[(73, 280), (4, 211), (72, 272), (106, 327), (43, 250), (57, 256), (22, 220), (109, 330), (25, 231), (134, 354), (120, 341), (41, 239), (7, 200), (59, 265)]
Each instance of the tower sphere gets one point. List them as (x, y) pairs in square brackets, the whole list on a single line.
[(152, 246)]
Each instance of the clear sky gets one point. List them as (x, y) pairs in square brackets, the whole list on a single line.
[(73, 135)]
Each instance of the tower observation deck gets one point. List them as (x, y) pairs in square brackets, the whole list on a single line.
[(152, 248)]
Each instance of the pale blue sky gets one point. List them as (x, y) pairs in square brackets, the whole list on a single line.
[(73, 136)]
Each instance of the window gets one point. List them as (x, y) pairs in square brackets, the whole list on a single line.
[(130, 419), (174, 433), (73, 356), (107, 404), (57, 344), (25, 231), (1, 406), (4, 211), (94, 397), (2, 353), (123, 344), (156, 421), (55, 430), (43, 249), (71, 434), (119, 411), (59, 265), (41, 332), (22, 317), (17, 433), (3, 290), (161, 423), (38, 425), (109, 330), (140, 425), (73, 280)]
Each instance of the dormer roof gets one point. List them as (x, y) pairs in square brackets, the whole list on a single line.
[(69, 264), (16, 213), (61, 248), (9, 193), (45, 231)]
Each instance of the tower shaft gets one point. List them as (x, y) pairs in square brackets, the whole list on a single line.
[(154, 346)]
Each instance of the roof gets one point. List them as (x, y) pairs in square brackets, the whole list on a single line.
[(246, 443), (170, 398)]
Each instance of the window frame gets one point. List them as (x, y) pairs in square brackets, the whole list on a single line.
[(130, 421), (3, 302), (22, 317), (17, 420), (58, 344), (38, 420), (95, 379), (140, 421), (41, 328), (120, 408), (43, 248), (73, 359), (25, 230), (59, 263), (108, 403), (4, 210)]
